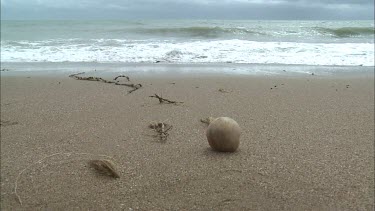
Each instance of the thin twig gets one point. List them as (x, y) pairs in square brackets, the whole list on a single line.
[(163, 100)]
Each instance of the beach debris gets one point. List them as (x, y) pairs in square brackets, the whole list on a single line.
[(347, 86), (223, 90), (91, 78), (163, 100), (7, 123), (312, 73), (162, 129), (106, 167), (207, 120), (275, 86), (122, 76), (6, 104), (223, 134), (134, 86), (75, 74), (4, 70), (226, 202), (68, 154)]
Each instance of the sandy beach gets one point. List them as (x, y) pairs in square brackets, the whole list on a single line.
[(307, 143)]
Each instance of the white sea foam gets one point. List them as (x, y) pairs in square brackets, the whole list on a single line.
[(204, 51)]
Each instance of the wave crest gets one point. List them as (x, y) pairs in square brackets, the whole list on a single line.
[(347, 31), (199, 31)]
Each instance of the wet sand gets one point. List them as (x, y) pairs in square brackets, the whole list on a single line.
[(307, 143)]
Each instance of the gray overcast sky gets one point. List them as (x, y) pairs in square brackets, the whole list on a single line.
[(199, 9)]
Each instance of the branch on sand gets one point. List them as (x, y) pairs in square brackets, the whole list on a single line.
[(163, 100)]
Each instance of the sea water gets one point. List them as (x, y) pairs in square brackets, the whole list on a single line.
[(187, 42)]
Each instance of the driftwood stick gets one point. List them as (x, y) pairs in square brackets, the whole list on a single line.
[(163, 100)]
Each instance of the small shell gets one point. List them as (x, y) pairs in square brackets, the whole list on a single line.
[(207, 120), (106, 167)]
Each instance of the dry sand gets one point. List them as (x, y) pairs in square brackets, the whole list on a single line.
[(306, 144)]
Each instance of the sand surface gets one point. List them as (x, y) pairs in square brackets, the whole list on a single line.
[(306, 144)]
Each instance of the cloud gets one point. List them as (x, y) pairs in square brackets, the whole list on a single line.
[(219, 9)]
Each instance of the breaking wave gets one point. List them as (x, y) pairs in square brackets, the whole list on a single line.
[(199, 31), (208, 51), (347, 31)]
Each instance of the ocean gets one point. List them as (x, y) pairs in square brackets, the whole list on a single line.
[(185, 42)]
